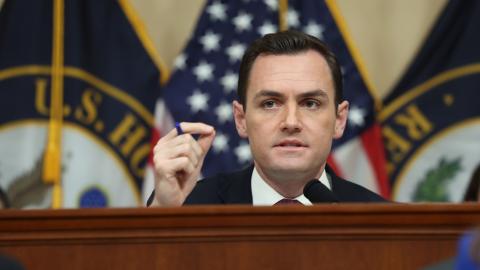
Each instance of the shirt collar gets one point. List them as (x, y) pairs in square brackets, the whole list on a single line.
[(264, 194)]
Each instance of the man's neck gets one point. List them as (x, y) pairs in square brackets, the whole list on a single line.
[(288, 184)]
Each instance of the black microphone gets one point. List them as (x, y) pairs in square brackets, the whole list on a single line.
[(317, 192)]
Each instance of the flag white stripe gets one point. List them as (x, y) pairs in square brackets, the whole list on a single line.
[(352, 160)]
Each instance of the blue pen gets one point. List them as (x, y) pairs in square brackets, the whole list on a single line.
[(178, 128)]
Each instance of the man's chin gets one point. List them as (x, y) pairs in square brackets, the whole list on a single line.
[(289, 167)]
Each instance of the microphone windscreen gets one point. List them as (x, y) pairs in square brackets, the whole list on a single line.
[(317, 192)]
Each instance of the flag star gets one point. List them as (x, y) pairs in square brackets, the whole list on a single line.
[(235, 51), (229, 82), (271, 4), (243, 22), (217, 11), (267, 28), (314, 29), (180, 61), (198, 101), (224, 112), (204, 71), (356, 116), (243, 152), (210, 41), (292, 18), (220, 143)]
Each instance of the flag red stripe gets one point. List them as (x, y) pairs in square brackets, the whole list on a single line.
[(155, 137), (333, 164), (371, 139)]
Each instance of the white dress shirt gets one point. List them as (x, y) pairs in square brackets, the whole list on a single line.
[(264, 194)]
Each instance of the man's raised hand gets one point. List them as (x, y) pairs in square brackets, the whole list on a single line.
[(178, 160)]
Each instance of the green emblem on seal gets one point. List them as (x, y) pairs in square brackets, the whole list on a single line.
[(433, 187)]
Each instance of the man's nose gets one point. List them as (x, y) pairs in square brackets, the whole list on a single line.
[(291, 122)]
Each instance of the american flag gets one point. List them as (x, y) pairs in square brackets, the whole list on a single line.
[(203, 84)]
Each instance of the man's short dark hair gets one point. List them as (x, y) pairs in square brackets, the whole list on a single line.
[(282, 43)]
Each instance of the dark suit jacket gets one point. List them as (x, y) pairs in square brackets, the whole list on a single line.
[(235, 188)]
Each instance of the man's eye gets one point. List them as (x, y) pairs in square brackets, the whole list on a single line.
[(311, 103), (269, 104)]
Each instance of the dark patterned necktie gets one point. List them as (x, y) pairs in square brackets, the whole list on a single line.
[(287, 201)]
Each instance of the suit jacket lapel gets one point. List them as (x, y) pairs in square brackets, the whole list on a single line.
[(237, 189)]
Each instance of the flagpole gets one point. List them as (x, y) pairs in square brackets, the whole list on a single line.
[(52, 158), (282, 15)]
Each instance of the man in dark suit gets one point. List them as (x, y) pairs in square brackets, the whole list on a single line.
[(290, 108), (4, 203)]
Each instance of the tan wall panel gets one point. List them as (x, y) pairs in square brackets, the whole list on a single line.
[(388, 33), (170, 23)]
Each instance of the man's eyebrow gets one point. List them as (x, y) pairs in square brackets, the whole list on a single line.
[(272, 93), (314, 93), (267, 93)]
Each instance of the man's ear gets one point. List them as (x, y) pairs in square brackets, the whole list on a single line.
[(341, 119), (240, 122)]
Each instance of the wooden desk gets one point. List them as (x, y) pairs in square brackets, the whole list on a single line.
[(355, 236)]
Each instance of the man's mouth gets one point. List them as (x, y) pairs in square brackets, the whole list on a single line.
[(291, 143)]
